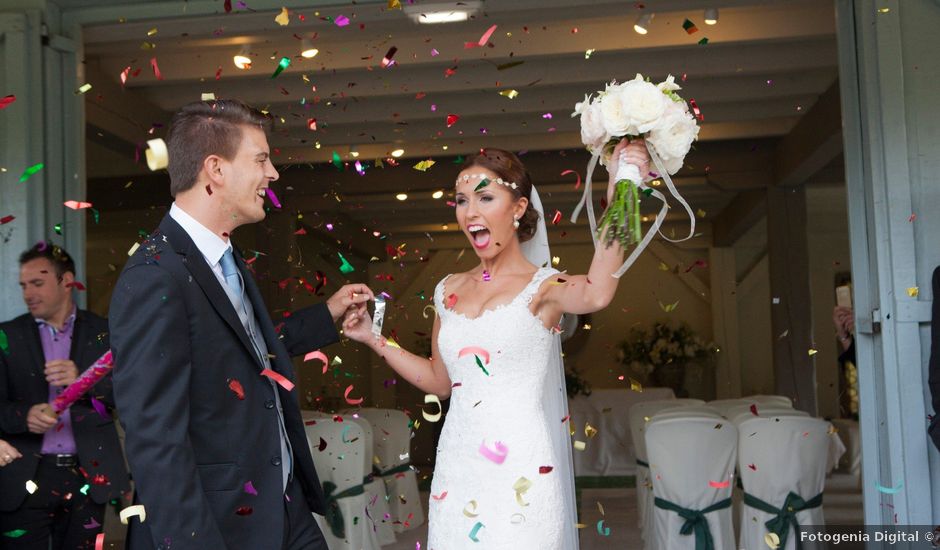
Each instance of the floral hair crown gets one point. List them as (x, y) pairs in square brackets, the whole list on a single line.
[(484, 177)]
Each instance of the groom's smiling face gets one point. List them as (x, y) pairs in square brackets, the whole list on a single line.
[(485, 213)]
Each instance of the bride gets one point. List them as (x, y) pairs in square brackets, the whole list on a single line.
[(503, 475)]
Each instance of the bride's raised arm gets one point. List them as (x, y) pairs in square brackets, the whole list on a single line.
[(427, 374), (582, 294)]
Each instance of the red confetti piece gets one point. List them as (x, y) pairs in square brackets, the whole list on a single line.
[(300, 231), (76, 285), (236, 387), (352, 402), (6, 101), (754, 409), (441, 497), (545, 469), (228, 6), (7, 219), (451, 301), (697, 263), (99, 541), (557, 217), (318, 355), (322, 446), (244, 511), (452, 119), (76, 205), (450, 71), (312, 124), (387, 60), (218, 73), (279, 378), (156, 69), (912, 218), (696, 110), (124, 75), (208, 189), (753, 467), (483, 39)]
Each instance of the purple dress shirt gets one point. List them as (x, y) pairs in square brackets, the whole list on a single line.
[(57, 344)]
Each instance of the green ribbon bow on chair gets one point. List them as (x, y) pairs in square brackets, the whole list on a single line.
[(784, 516), (695, 521), (401, 468), (334, 516)]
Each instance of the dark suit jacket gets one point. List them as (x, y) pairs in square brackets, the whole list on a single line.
[(193, 442), (23, 384), (933, 379)]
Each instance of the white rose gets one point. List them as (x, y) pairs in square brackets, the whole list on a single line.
[(673, 165), (634, 109), (593, 134), (582, 106), (674, 136)]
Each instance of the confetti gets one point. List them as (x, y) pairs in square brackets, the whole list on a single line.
[(509, 65), (156, 154), (83, 88), (431, 398), (689, 27), (588, 53), (669, 308), (719, 484), (913, 291), (696, 110), (15, 534), (76, 205), (772, 540), (567, 172), (341, 20), (318, 355), (135, 510), (481, 42), (520, 487), (557, 217), (890, 490), (387, 60), (393, 4), (511, 94), (470, 509), (99, 541), (636, 386), (452, 119), (30, 171), (424, 165), (281, 65), (353, 402), (346, 267), (6, 101), (602, 529), (440, 497), (156, 69), (483, 183), (272, 197), (703, 42), (752, 467), (7, 219), (589, 431), (497, 454), (279, 378), (424, 312), (473, 350), (811, 352), (31, 486), (474, 531), (237, 388), (579, 445), (283, 18), (250, 488)]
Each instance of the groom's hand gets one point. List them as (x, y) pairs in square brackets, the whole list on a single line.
[(353, 295)]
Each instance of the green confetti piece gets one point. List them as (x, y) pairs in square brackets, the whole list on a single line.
[(602, 529), (96, 214), (58, 228), (648, 192), (15, 534), (483, 183), (4, 343), (689, 26), (83, 88), (283, 64), (459, 159), (474, 531), (480, 364), (30, 171), (346, 268), (703, 41), (84, 489), (337, 161)]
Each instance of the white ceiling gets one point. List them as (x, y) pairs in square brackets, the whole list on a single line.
[(764, 67)]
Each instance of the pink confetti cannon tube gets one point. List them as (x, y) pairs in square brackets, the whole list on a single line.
[(92, 375)]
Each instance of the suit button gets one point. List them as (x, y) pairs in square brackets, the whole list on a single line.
[(269, 404), (276, 461)]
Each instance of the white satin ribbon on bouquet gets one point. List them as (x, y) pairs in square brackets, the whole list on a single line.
[(629, 171)]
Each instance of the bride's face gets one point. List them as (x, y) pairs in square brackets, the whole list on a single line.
[(486, 214)]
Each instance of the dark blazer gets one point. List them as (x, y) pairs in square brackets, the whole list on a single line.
[(23, 384), (199, 417), (933, 378)]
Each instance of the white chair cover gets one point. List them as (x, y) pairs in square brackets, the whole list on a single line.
[(692, 410), (391, 436), (780, 400), (341, 463), (741, 413), (724, 404), (777, 456), (639, 414), (378, 513), (692, 463)]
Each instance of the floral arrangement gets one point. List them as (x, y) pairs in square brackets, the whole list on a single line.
[(647, 351), (635, 109)]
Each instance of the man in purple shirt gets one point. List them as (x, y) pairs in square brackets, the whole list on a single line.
[(72, 464)]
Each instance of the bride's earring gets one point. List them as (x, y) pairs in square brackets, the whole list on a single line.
[(515, 222)]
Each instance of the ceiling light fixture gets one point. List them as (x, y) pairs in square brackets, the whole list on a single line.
[(437, 194), (642, 23), (241, 59), (711, 16), (354, 151), (307, 50), (441, 12), (398, 153), (402, 196)]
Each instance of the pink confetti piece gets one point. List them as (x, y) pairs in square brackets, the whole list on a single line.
[(353, 402), (341, 20), (250, 488), (100, 409), (156, 69), (279, 378), (547, 115), (474, 350), (440, 497), (575, 172), (318, 355), (497, 454), (99, 541), (92, 524), (719, 484), (483, 39), (272, 197), (5, 101), (434, 52), (76, 205)]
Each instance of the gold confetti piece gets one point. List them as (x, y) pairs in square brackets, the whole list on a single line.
[(31, 486), (83, 88), (467, 509), (135, 510), (636, 386), (913, 291), (700, 213), (600, 508), (579, 445), (520, 487), (812, 352), (511, 94), (431, 398), (556, 260), (148, 46), (589, 431), (208, 96), (393, 4), (424, 312), (663, 267), (424, 165), (152, 31), (669, 308), (587, 53), (283, 18), (884, 10), (392, 342), (772, 540), (157, 155), (133, 249)]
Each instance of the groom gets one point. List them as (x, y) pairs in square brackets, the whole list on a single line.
[(202, 378)]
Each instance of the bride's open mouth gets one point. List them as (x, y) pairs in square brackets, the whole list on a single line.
[(479, 235)]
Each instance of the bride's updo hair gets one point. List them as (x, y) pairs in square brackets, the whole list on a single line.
[(507, 166)]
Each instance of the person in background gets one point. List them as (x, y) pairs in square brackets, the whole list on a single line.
[(74, 459), (933, 378)]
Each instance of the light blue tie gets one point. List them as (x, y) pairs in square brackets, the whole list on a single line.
[(237, 295)]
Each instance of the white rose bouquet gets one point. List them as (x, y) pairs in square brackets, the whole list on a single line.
[(635, 109)]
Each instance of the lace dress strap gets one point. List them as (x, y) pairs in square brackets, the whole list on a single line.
[(439, 296), (540, 276)]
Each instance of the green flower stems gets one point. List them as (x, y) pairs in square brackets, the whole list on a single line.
[(621, 220)]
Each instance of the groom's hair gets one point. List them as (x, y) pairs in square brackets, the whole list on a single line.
[(205, 128), (507, 166)]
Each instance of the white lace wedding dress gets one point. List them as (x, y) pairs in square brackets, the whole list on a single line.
[(496, 412)]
